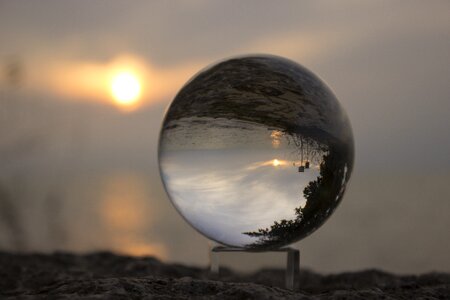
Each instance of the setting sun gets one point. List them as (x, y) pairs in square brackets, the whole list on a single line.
[(276, 162), (126, 88)]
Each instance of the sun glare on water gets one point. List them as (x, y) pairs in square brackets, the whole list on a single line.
[(126, 88)]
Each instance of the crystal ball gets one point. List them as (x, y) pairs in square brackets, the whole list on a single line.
[(255, 152)]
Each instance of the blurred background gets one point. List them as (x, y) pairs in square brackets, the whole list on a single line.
[(84, 87)]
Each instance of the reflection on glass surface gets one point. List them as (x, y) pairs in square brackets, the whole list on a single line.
[(255, 152)]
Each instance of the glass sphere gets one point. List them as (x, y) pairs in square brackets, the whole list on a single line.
[(255, 152)]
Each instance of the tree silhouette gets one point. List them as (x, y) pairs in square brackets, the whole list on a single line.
[(322, 196)]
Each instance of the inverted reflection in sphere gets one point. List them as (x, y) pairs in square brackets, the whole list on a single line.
[(255, 152)]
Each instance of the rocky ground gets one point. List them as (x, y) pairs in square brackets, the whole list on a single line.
[(109, 276)]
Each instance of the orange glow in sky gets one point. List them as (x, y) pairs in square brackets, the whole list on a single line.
[(122, 81)]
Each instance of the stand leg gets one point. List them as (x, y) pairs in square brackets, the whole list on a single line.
[(292, 263), (214, 263), (292, 269)]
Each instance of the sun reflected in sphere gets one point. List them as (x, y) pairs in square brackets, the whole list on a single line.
[(276, 162), (126, 88)]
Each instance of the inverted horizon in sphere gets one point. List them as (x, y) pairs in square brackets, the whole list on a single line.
[(255, 152)]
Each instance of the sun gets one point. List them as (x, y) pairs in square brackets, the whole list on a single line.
[(126, 88), (276, 162)]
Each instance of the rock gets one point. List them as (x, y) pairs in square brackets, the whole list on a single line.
[(108, 276)]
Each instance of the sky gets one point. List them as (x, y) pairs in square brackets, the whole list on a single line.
[(387, 62)]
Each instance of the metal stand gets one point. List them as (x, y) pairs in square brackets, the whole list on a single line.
[(292, 263)]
